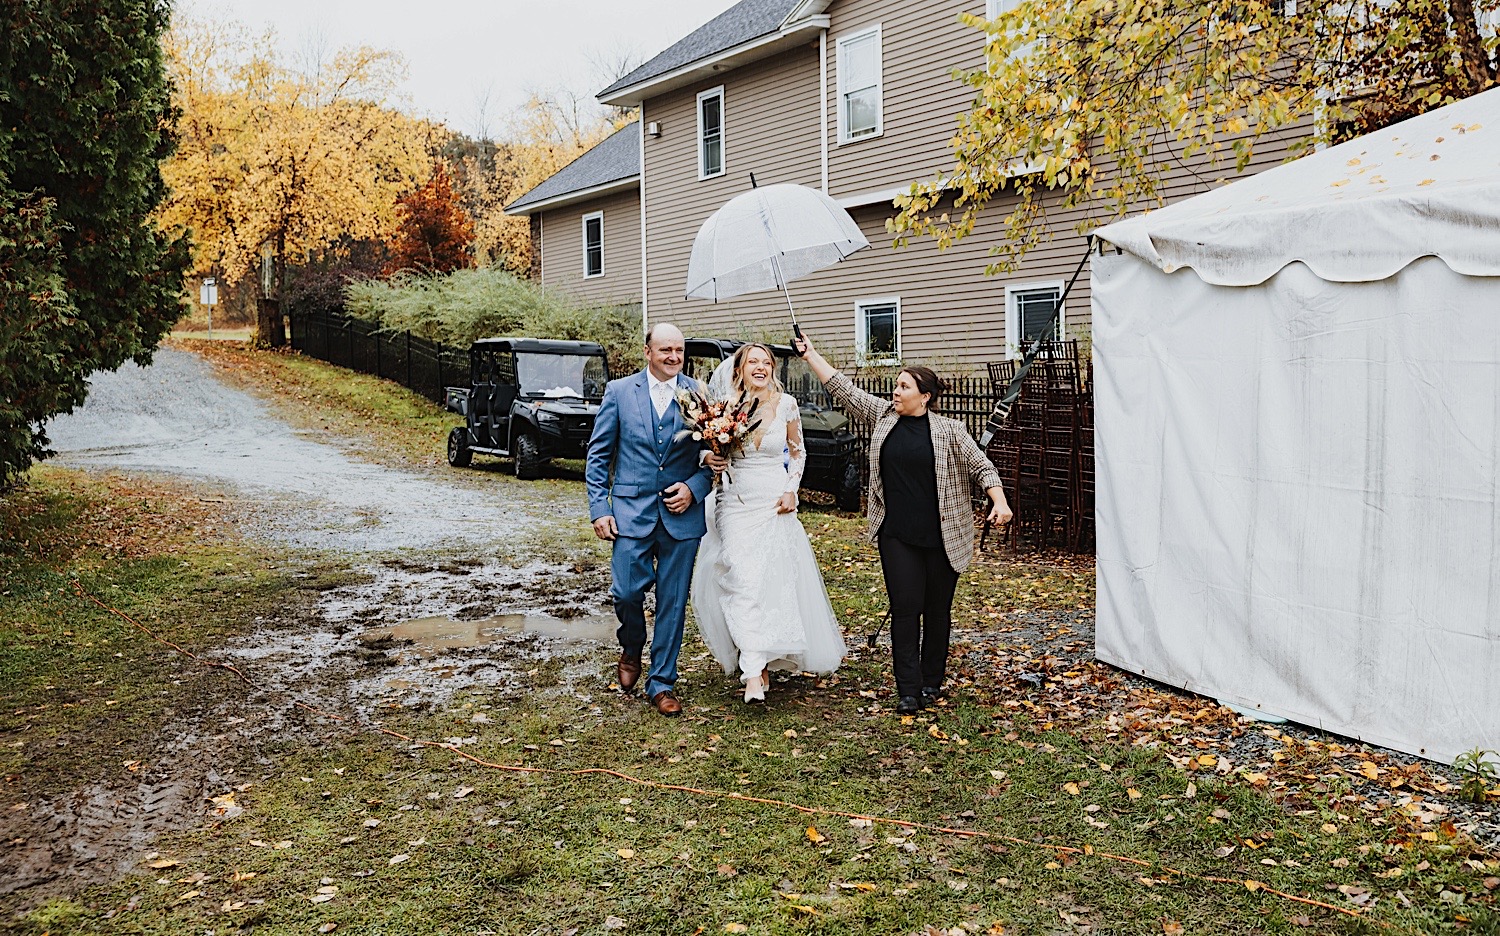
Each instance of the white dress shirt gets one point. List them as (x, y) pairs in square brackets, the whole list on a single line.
[(662, 392)]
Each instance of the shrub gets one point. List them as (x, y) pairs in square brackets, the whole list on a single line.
[(458, 307)]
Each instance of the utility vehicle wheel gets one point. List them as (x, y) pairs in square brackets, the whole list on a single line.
[(847, 496), (528, 459), (459, 454)]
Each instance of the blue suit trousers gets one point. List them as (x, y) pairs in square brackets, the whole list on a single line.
[(638, 564)]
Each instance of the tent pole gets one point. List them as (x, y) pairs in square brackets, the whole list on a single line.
[(1013, 390)]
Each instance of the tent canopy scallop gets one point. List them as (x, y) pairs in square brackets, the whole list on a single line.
[(1428, 186)]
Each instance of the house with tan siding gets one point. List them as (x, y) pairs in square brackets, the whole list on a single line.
[(856, 98)]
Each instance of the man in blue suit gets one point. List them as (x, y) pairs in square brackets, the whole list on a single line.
[(646, 489)]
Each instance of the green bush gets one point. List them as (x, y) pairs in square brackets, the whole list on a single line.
[(458, 307)]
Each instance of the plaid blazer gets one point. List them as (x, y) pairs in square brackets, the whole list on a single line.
[(958, 462)]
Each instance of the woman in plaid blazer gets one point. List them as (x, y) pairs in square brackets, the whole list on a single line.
[(922, 466)]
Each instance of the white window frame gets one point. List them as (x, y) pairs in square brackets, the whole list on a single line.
[(593, 216), (861, 334), (723, 133), (1013, 312), (843, 41)]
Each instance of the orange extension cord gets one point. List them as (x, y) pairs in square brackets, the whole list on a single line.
[(1086, 851)]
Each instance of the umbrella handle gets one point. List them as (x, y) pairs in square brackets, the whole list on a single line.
[(796, 337)]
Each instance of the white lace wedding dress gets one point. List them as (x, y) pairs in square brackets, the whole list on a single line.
[(757, 593)]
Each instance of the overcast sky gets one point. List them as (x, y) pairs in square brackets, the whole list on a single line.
[(459, 51)]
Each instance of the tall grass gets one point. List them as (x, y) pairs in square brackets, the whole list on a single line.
[(459, 307)]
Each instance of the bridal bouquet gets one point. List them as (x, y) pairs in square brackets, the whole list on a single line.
[(721, 426)]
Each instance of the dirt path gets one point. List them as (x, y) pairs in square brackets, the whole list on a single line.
[(175, 417)]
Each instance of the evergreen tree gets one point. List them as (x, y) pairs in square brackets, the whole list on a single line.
[(87, 280)]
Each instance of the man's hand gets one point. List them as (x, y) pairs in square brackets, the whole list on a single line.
[(605, 529), (678, 497), (717, 462)]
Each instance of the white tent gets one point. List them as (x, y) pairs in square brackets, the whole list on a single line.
[(1297, 390)]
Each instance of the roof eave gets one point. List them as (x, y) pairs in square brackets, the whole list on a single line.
[(789, 36), (570, 198)]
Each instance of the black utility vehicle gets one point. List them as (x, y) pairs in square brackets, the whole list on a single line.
[(833, 450), (529, 399)]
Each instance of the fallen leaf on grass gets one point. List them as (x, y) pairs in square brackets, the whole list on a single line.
[(397, 859), (462, 791), (1133, 793), (1224, 852), (162, 863), (328, 927), (242, 875), (736, 928), (1072, 788), (1171, 927), (814, 836), (230, 906), (321, 898), (626, 853), (810, 911), (1330, 828), (371, 823), (726, 870), (613, 923), (189, 895)]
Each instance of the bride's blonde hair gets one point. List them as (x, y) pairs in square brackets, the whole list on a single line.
[(741, 354)]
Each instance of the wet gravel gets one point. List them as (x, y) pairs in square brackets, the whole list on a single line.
[(289, 486)]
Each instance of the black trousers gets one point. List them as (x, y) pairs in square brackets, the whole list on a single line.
[(920, 583)]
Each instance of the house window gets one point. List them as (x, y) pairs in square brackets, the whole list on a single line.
[(593, 244), (711, 133), (877, 331), (859, 86), (1028, 313)]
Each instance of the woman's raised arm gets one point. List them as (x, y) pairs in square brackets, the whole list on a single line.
[(858, 405)]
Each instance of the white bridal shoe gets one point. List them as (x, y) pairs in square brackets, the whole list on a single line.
[(755, 690)]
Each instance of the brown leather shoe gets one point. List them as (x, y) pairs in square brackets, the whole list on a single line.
[(666, 703), (628, 671)]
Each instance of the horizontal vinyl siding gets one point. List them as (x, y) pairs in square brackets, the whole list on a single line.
[(921, 44), (770, 129), (562, 249)]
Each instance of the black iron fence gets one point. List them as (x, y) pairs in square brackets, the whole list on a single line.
[(422, 366)]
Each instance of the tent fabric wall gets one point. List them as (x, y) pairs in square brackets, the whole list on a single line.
[(1297, 495)]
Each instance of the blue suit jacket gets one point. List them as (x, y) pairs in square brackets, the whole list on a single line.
[(624, 474)]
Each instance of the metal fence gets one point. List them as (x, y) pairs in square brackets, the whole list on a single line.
[(422, 366)]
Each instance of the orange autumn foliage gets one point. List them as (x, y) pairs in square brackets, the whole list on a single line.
[(435, 234)]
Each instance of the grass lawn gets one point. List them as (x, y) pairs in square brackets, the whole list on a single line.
[(1068, 801)]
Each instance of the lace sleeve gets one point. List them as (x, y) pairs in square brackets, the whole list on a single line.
[(796, 451)]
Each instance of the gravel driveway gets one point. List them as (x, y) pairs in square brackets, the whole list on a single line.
[(176, 417)]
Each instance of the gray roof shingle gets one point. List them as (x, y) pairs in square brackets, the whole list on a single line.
[(747, 20), (613, 159)]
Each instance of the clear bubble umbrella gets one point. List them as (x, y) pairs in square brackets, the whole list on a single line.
[(766, 237)]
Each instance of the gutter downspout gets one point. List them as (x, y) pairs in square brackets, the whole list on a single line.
[(823, 103), (645, 319)]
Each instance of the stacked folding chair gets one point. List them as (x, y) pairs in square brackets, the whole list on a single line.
[(1044, 450)]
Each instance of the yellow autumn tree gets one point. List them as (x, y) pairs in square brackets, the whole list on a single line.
[(1081, 100), (284, 163)]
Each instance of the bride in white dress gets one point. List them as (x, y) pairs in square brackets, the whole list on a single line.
[(757, 593)]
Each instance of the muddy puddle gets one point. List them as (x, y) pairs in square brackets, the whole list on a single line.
[(433, 636), (416, 632)]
